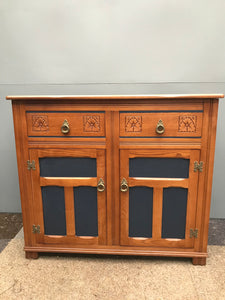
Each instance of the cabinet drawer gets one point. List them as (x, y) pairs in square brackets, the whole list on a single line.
[(65, 124), (161, 124)]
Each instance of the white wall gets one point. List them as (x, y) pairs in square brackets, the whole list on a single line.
[(71, 41), (58, 47)]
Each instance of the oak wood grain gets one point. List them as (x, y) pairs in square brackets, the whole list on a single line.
[(68, 181), (80, 124), (157, 213), (158, 184), (69, 210), (118, 251), (112, 105), (209, 172), (118, 97), (176, 124), (112, 152)]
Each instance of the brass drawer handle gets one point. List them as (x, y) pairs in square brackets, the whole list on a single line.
[(160, 127), (65, 127), (124, 185), (101, 185)]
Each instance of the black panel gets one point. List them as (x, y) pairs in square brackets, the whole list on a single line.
[(54, 210), (158, 111), (140, 211), (67, 167), (64, 111), (67, 137), (86, 211), (174, 212), (159, 167), (151, 137)]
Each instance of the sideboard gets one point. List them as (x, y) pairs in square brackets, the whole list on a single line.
[(116, 174)]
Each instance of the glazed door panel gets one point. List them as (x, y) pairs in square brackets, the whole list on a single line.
[(159, 205), (69, 198)]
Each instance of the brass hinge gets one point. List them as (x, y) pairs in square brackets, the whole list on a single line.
[(31, 165), (193, 233), (198, 166), (36, 229)]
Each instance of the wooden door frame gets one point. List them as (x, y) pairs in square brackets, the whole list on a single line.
[(68, 184), (158, 185)]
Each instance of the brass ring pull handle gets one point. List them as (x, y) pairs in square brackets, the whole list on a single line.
[(101, 185), (65, 127), (124, 185), (160, 127)]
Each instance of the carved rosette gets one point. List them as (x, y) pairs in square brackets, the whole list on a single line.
[(40, 123), (133, 124), (91, 123), (187, 123)]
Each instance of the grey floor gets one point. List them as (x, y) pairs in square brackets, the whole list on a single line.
[(10, 225)]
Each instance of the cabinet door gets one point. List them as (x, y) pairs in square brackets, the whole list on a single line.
[(69, 198), (158, 197)]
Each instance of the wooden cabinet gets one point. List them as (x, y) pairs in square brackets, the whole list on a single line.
[(116, 174)]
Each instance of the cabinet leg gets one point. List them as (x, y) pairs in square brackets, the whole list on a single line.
[(201, 261), (33, 255)]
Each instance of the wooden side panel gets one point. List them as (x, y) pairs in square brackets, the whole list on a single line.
[(208, 154), (20, 130)]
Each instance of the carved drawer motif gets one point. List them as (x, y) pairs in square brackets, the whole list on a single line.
[(175, 124), (187, 123), (39, 123), (80, 124), (91, 123), (133, 123)]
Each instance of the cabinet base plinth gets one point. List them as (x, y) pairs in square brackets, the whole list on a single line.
[(198, 258), (201, 261), (31, 255)]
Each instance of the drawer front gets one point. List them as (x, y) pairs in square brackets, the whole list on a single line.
[(65, 124), (161, 124)]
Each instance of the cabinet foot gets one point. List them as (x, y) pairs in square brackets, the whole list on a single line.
[(201, 261), (33, 255)]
